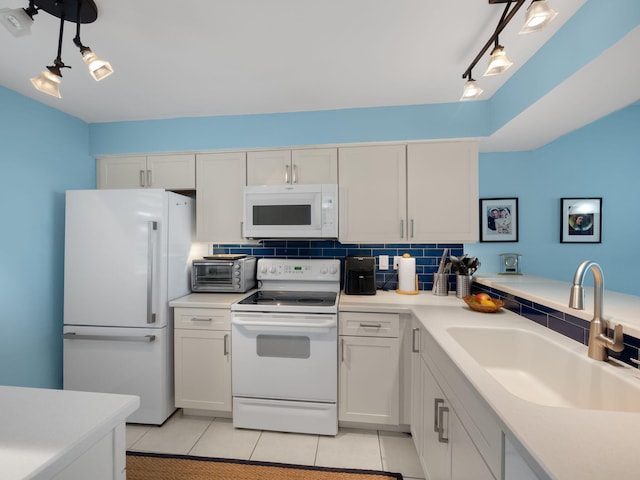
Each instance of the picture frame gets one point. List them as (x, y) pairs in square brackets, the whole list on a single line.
[(581, 220), (499, 219)]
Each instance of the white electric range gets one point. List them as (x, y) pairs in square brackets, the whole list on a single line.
[(284, 342)]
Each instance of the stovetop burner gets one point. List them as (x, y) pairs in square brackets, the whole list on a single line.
[(286, 298)]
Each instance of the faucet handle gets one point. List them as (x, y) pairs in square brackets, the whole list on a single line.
[(617, 344)]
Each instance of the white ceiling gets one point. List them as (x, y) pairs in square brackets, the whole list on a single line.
[(217, 57)]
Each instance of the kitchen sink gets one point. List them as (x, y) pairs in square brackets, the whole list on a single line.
[(550, 372)]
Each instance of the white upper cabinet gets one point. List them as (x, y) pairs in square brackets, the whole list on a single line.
[(416, 193), (442, 192), (171, 172), (373, 194), (279, 167), (219, 197)]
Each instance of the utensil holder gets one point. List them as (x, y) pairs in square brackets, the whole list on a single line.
[(463, 285), (440, 284)]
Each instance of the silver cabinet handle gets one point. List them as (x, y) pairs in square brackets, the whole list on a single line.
[(436, 405), (371, 325), (295, 174), (401, 228), (149, 178), (441, 412), (110, 338), (152, 226), (241, 229), (226, 344), (342, 350), (286, 174), (414, 335), (196, 319), (412, 228), (142, 178)]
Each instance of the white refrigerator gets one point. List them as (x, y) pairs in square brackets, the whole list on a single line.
[(127, 254)]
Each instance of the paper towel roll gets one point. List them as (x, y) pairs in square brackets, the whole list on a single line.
[(407, 274)]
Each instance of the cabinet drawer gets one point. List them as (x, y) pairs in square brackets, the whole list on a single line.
[(369, 324), (202, 318)]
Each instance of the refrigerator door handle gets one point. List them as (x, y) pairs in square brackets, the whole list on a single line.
[(110, 338), (151, 316)]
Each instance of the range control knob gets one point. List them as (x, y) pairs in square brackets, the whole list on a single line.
[(323, 270), (334, 270)]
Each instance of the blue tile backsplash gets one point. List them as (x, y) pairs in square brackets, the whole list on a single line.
[(563, 323), (427, 255)]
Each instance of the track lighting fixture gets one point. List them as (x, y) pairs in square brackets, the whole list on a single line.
[(18, 22), (471, 89), (498, 62), (539, 14)]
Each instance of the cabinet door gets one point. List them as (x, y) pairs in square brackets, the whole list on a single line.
[(372, 184), (171, 172), (436, 453), (417, 402), (271, 167), (442, 180), (219, 197), (121, 172), (466, 461), (314, 165), (369, 372), (202, 369)]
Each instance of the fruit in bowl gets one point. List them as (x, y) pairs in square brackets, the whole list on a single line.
[(483, 303)]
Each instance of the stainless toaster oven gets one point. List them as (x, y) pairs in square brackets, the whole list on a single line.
[(223, 273)]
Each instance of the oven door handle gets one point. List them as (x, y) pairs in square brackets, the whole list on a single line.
[(316, 324)]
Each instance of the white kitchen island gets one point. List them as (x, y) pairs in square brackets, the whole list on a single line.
[(61, 434)]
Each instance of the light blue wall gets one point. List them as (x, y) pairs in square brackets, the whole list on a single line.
[(44, 153)]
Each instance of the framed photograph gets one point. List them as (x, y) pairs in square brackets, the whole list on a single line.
[(498, 219), (580, 220)]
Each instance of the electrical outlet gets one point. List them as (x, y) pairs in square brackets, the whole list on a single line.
[(383, 263), (396, 261)]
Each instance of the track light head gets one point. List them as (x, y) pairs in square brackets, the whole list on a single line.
[(498, 62), (539, 15), (98, 68), (17, 21), (49, 81), (471, 89)]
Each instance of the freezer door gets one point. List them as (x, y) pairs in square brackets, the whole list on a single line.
[(133, 361), (114, 269)]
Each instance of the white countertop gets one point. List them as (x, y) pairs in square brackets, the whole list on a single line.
[(618, 307), (562, 443), (209, 300), (43, 430)]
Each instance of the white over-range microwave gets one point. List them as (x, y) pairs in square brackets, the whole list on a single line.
[(291, 211)]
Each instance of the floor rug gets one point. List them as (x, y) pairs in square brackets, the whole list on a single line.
[(153, 466)]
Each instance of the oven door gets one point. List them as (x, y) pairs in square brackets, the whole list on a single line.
[(285, 356)]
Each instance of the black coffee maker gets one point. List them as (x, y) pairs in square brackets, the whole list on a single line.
[(360, 275)]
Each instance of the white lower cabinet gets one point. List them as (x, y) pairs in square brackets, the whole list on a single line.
[(369, 368), (203, 359), (445, 448)]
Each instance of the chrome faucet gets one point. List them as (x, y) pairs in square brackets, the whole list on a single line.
[(599, 342)]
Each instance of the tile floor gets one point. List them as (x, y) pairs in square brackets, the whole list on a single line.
[(215, 437)]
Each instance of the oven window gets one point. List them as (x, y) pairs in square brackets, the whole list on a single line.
[(282, 215), (283, 346), (214, 274)]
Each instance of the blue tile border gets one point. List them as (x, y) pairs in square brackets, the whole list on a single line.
[(564, 323)]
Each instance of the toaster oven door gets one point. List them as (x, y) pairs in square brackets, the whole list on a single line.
[(212, 276)]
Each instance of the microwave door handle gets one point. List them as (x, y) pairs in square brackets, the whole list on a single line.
[(286, 174), (294, 169), (152, 226)]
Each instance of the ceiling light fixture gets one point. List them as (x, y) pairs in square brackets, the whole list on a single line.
[(471, 89), (539, 15), (18, 22), (499, 61)]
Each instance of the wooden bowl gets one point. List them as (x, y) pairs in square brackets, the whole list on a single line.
[(483, 308)]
